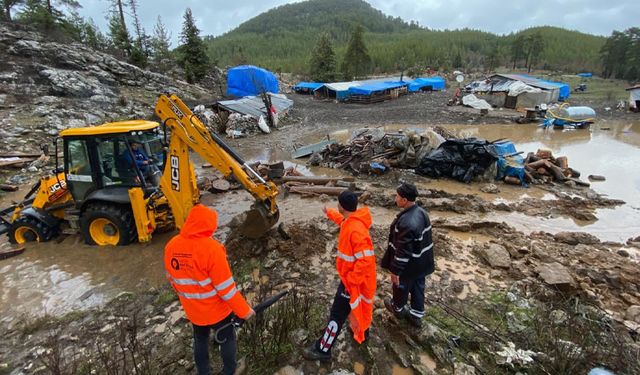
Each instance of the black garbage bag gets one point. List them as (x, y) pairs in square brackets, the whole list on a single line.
[(461, 159)]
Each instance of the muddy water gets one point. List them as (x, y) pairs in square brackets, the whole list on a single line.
[(610, 148), (56, 278)]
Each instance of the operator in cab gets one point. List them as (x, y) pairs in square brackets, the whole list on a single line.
[(198, 270)]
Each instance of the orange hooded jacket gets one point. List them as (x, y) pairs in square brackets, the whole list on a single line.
[(356, 265), (198, 270)]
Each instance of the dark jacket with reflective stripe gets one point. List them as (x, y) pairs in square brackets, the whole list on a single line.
[(410, 250)]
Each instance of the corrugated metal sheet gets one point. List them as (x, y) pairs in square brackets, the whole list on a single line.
[(531, 81), (253, 105)]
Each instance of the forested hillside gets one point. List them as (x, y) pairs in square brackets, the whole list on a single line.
[(281, 39)]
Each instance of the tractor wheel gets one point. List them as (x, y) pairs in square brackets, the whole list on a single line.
[(28, 229), (108, 224)]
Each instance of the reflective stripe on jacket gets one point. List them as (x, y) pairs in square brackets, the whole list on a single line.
[(410, 250), (356, 265), (198, 270)]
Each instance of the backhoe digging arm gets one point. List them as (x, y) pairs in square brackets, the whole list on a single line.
[(178, 182)]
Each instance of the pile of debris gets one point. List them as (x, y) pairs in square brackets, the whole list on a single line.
[(543, 167), (241, 125), (374, 151)]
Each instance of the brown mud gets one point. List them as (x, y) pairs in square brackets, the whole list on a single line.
[(591, 233)]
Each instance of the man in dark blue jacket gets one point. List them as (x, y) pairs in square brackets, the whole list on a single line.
[(409, 256)]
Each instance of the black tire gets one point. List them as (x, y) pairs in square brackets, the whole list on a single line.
[(120, 218), (29, 229)]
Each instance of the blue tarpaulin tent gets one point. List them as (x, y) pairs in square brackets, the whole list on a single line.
[(249, 80), (418, 84), (307, 86), (565, 89), (370, 88), (585, 75)]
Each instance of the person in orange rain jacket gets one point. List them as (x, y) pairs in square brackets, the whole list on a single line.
[(356, 265), (198, 270)]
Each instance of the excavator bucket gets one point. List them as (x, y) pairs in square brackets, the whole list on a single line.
[(258, 221)]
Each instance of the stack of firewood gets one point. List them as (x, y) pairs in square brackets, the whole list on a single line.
[(544, 167)]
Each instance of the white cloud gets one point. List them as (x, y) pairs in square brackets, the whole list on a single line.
[(217, 17)]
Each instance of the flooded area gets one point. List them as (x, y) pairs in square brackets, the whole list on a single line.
[(611, 148), (58, 277)]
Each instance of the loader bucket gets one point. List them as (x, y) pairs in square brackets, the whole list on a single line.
[(258, 221)]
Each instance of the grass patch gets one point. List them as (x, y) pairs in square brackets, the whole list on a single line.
[(266, 340), (165, 297)]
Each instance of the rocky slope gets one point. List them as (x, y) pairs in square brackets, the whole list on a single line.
[(47, 86)]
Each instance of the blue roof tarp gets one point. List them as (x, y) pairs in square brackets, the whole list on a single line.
[(585, 75), (436, 84), (565, 89), (307, 86), (370, 88), (249, 80)]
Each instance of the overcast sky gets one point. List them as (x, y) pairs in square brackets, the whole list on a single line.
[(215, 17)]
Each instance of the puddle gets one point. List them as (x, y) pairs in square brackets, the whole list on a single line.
[(428, 361), (468, 237)]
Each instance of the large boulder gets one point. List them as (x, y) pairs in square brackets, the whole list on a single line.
[(555, 274), (574, 238), (74, 84), (633, 314), (496, 255)]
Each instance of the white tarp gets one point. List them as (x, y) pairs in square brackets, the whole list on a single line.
[(475, 102), (519, 87)]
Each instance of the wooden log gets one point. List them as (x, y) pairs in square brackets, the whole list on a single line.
[(219, 186), (8, 187), (580, 182), (10, 253), (556, 171), (316, 180), (562, 162), (328, 190), (19, 162), (537, 164)]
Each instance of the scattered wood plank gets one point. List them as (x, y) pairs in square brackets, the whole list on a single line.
[(8, 187), (10, 253), (316, 180), (313, 189)]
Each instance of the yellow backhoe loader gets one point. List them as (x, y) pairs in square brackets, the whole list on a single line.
[(123, 181)]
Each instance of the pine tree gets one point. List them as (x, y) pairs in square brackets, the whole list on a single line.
[(119, 37), (92, 36), (193, 52), (534, 46), (160, 43), (518, 49), (140, 49), (322, 64), (118, 33), (357, 61), (42, 14), (6, 7)]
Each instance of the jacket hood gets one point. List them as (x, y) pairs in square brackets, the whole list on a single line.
[(201, 222), (362, 214)]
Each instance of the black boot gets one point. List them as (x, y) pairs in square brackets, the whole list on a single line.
[(312, 353), (388, 303), (414, 320)]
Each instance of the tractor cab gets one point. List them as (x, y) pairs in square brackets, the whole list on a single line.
[(103, 162)]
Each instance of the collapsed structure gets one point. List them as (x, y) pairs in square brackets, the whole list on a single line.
[(518, 91), (634, 98)]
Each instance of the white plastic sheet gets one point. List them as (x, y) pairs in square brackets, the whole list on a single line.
[(475, 102), (519, 87)]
